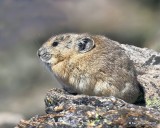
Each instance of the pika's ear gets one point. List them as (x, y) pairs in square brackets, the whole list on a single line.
[(84, 44)]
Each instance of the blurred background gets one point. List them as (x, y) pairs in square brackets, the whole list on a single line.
[(26, 24)]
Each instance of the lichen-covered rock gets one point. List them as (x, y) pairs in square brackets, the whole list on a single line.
[(71, 111), (66, 110), (147, 64)]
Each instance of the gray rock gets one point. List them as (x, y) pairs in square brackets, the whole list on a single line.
[(147, 64), (66, 110)]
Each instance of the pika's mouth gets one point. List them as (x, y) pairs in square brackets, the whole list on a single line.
[(45, 57)]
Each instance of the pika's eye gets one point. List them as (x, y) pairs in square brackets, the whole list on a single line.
[(54, 44)]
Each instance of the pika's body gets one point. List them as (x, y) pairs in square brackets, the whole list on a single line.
[(91, 65)]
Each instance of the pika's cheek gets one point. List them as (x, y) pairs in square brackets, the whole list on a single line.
[(53, 61)]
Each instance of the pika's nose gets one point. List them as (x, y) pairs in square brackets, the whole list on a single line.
[(43, 54), (41, 51)]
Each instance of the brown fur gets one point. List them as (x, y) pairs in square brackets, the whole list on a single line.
[(105, 70)]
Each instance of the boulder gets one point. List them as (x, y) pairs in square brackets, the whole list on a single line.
[(64, 110)]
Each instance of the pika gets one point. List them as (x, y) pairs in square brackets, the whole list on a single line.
[(92, 65)]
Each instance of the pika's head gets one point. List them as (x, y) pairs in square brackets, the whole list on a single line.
[(61, 47)]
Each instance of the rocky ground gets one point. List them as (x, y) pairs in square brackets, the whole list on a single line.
[(70, 111), (65, 110)]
